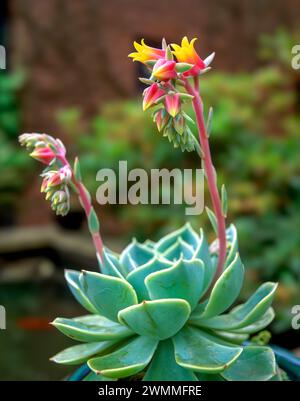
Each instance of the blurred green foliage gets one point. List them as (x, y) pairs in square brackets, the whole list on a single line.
[(13, 161), (255, 144)]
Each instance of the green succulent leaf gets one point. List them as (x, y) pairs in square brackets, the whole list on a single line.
[(243, 315), (226, 289), (94, 377), (232, 337), (73, 279), (163, 366), (186, 233), (127, 360), (255, 364), (183, 280), (198, 351), (110, 264), (259, 324), (137, 277), (82, 352), (232, 243), (212, 219), (93, 221), (108, 294), (135, 255), (202, 253), (152, 318), (91, 328), (207, 377), (179, 249)]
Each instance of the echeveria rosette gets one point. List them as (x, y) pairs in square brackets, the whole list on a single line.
[(149, 316)]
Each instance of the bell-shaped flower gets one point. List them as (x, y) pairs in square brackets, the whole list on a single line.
[(173, 104), (186, 53), (151, 95), (145, 53), (164, 70)]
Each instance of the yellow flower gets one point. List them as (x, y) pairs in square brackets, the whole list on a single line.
[(186, 53), (146, 53)]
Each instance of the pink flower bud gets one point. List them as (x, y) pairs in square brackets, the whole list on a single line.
[(151, 95), (173, 104), (164, 70), (161, 118), (45, 155)]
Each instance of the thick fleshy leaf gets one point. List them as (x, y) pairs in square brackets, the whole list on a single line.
[(231, 236), (128, 360), (137, 277), (259, 324), (186, 233), (91, 328), (202, 253), (226, 289), (135, 255), (94, 377), (163, 366), (243, 315), (156, 319), (110, 264), (232, 337), (73, 281), (198, 351), (255, 364), (108, 294), (207, 377), (82, 352), (180, 249), (183, 280)]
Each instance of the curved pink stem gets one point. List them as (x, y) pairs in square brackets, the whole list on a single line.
[(210, 173)]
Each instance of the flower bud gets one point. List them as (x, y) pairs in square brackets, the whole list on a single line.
[(179, 124), (45, 155), (161, 119), (173, 104), (164, 70), (151, 95)]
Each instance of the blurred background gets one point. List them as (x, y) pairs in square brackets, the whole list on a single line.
[(68, 75)]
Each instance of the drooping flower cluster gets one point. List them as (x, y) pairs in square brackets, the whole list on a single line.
[(169, 69), (57, 175)]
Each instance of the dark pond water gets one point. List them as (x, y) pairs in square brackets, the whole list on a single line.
[(29, 341)]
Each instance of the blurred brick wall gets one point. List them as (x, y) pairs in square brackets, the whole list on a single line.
[(75, 52)]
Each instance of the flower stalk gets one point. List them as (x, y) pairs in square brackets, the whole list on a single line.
[(85, 201), (210, 173)]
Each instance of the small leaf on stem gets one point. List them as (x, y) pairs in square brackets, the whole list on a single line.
[(93, 221), (77, 171), (209, 122), (224, 201), (212, 218)]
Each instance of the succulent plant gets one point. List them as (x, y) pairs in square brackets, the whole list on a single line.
[(151, 314)]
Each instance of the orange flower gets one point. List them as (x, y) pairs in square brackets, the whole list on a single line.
[(187, 54), (146, 53)]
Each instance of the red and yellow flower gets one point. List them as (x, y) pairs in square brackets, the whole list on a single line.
[(186, 53), (145, 53), (173, 104), (164, 70), (44, 154), (151, 95)]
